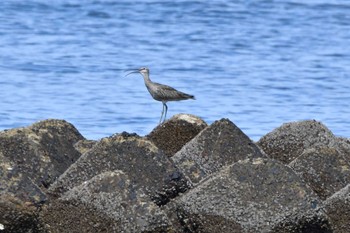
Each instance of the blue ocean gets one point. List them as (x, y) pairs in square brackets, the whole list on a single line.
[(259, 63)]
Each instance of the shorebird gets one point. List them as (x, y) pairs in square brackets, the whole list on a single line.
[(161, 92)]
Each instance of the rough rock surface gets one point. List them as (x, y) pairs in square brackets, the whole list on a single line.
[(171, 136), (220, 144), (337, 208), (31, 159), (109, 202), (289, 141), (18, 216), (41, 152), (139, 158), (220, 181), (84, 145), (324, 169), (20, 186), (253, 195), (343, 145)]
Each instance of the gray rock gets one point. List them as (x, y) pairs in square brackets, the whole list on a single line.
[(22, 187), (74, 217), (31, 159), (253, 195), (171, 136), (289, 141), (337, 208), (42, 151), (139, 158), (220, 144), (343, 145), (84, 145), (324, 169), (109, 202), (18, 216)]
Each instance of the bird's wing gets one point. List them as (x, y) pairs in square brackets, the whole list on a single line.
[(164, 87), (165, 92)]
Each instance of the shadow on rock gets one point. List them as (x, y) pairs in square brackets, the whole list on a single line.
[(252, 195), (337, 208), (220, 144), (31, 159), (326, 170), (109, 202), (138, 157)]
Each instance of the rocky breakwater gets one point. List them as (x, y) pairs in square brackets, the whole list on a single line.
[(185, 176)]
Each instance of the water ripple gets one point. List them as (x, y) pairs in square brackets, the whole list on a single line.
[(259, 63)]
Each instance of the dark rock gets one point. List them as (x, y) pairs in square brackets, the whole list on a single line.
[(171, 136), (324, 169), (109, 202), (21, 187), (125, 183), (337, 208), (18, 216), (253, 195), (218, 145), (31, 159), (84, 145), (139, 158), (316, 222), (343, 145), (42, 151), (186, 221), (289, 141), (74, 217)]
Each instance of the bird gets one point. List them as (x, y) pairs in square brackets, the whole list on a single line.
[(161, 92)]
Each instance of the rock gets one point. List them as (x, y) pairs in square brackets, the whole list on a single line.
[(343, 145), (324, 169), (220, 144), (171, 136), (18, 216), (41, 152), (137, 157), (74, 217), (84, 145), (31, 159), (337, 208), (252, 195), (21, 187), (109, 202), (289, 141), (219, 181)]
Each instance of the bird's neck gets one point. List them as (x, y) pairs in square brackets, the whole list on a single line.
[(147, 79)]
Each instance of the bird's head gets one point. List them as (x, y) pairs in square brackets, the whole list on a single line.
[(143, 70)]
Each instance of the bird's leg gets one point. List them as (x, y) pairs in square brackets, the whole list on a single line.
[(161, 116), (166, 110)]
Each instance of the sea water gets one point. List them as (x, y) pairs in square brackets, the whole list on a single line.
[(258, 63)]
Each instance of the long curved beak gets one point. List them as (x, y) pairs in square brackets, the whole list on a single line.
[(132, 72)]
